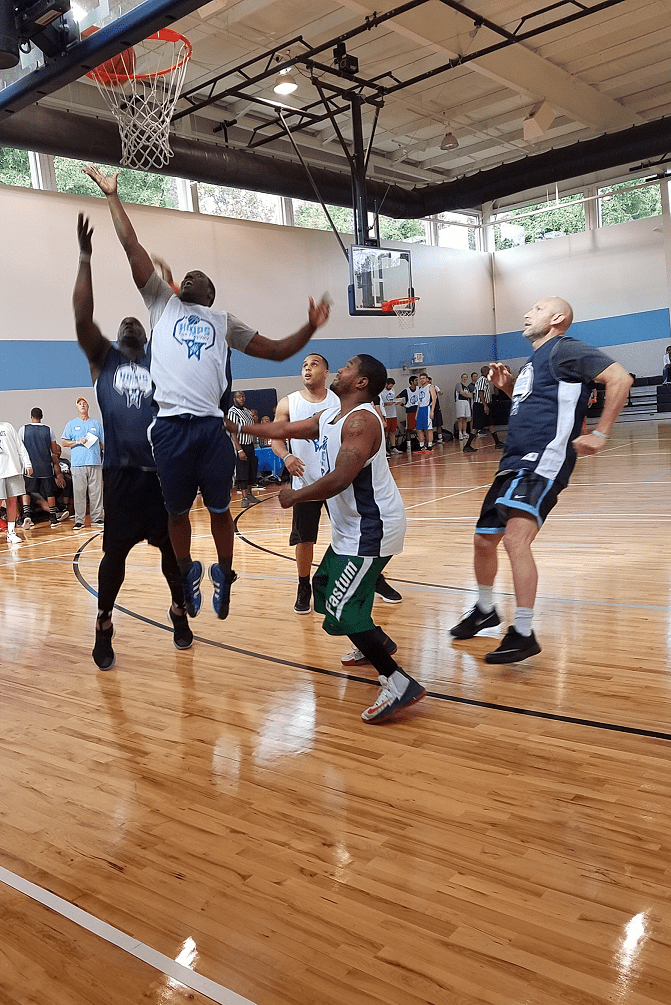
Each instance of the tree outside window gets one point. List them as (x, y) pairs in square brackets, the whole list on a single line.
[(14, 167), (237, 203), (556, 219), (139, 187), (625, 206)]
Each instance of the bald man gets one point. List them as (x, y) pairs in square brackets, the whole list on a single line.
[(549, 403)]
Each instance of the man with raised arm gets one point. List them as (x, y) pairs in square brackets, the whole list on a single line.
[(549, 403), (190, 368), (133, 503), (367, 521)]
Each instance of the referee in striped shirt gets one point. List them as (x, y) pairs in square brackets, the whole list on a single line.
[(482, 397), (245, 468)]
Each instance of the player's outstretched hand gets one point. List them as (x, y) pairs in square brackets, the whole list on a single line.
[(106, 183), (318, 314), (286, 497), (588, 444), (84, 234)]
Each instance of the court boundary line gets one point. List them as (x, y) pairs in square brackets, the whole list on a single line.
[(115, 937), (439, 695)]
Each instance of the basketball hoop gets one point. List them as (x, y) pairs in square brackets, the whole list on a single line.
[(141, 87), (403, 308)]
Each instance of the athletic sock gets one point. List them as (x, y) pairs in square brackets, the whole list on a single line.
[(523, 619), (184, 565), (25, 510), (485, 599), (53, 511), (225, 563), (11, 524)]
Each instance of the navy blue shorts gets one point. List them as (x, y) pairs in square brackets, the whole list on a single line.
[(423, 421), (513, 493), (192, 453)]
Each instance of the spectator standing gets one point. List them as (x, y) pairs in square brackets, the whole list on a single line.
[(85, 438), (463, 397), (245, 467), (14, 464), (481, 403), (408, 397), (41, 445)]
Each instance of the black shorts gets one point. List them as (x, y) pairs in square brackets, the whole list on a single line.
[(44, 487), (134, 508), (513, 493), (480, 418), (305, 522)]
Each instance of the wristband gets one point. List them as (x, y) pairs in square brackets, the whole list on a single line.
[(287, 455), (84, 257), (595, 432)]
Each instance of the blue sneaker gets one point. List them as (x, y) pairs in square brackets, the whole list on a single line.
[(221, 598), (191, 586)]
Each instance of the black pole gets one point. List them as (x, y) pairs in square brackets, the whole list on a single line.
[(9, 36), (361, 229)]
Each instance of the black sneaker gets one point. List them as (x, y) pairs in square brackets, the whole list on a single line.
[(182, 636), (474, 622), (303, 598), (386, 592), (103, 654), (470, 450), (499, 445), (514, 648)]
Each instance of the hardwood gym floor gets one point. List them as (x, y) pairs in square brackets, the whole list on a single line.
[(244, 833)]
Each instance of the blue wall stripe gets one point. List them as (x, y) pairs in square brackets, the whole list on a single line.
[(622, 330), (25, 365)]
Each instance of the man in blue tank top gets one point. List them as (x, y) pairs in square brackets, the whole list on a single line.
[(133, 502), (549, 403)]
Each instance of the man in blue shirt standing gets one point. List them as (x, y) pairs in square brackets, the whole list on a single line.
[(84, 436)]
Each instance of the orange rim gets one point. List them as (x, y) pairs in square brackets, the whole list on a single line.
[(387, 306), (164, 35)]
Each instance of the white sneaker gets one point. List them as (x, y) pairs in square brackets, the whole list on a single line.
[(27, 523), (13, 538)]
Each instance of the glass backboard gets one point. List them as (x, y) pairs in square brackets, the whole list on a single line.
[(377, 275)]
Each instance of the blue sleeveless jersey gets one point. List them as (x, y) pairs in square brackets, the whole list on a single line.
[(125, 398), (549, 403)]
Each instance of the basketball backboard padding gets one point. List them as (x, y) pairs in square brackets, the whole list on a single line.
[(377, 275)]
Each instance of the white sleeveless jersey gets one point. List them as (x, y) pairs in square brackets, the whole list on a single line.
[(308, 450), (368, 517), (423, 396)]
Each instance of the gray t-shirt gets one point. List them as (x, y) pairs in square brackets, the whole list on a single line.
[(190, 343)]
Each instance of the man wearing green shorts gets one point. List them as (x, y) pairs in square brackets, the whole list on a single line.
[(367, 523)]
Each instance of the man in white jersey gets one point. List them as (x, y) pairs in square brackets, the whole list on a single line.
[(302, 459), (367, 522), (426, 402), (388, 402), (190, 368)]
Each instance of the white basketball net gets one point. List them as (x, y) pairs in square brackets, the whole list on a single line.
[(405, 313), (142, 95)]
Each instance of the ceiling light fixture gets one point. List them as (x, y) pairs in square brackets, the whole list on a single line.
[(449, 142), (285, 83)]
